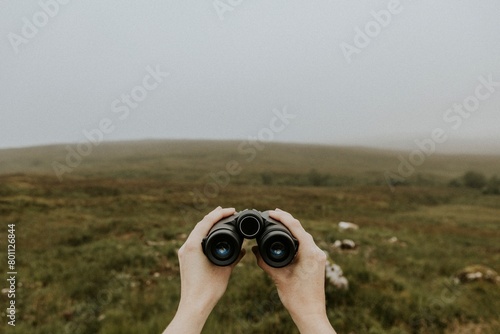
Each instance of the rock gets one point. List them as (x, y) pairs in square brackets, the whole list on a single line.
[(344, 244), (477, 273), (348, 244), (348, 226), (396, 241), (335, 276), (155, 243)]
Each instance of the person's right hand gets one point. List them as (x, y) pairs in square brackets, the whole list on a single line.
[(301, 284)]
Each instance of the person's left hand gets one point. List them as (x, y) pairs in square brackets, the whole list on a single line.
[(202, 282)]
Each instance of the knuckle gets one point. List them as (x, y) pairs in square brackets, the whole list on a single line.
[(292, 222), (309, 238), (189, 247), (180, 252), (320, 255)]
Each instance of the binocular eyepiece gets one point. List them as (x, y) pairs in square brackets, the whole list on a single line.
[(277, 246)]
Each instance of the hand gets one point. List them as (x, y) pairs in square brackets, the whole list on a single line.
[(202, 283), (301, 284)]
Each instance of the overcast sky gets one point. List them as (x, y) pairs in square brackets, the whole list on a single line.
[(230, 63)]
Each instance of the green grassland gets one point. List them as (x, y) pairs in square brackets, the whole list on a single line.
[(96, 252)]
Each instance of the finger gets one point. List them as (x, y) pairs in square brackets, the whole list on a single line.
[(201, 229), (242, 254), (293, 225)]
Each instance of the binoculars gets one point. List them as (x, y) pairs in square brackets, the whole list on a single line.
[(277, 246)]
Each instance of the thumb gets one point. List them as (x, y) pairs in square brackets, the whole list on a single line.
[(260, 261)]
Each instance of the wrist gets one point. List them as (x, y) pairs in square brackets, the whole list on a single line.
[(309, 323), (198, 308)]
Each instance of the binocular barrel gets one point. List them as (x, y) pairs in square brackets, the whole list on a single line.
[(277, 246)]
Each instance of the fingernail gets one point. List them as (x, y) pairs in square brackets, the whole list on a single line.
[(218, 208), (278, 209)]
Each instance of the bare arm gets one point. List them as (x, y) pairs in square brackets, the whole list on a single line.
[(198, 273), (301, 285)]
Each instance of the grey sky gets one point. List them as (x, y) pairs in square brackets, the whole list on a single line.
[(227, 75)]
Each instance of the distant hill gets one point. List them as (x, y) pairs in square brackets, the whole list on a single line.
[(165, 157)]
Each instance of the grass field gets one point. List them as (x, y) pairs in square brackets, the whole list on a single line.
[(96, 252)]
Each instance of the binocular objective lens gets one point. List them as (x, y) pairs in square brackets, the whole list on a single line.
[(222, 249), (277, 250)]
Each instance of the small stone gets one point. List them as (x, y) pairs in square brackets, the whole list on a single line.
[(348, 226), (477, 273), (393, 240)]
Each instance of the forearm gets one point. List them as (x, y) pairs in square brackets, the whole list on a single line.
[(202, 283), (189, 319)]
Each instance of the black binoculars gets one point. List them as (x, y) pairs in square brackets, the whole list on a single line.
[(277, 246)]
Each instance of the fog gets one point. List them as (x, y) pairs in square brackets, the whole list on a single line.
[(370, 73)]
